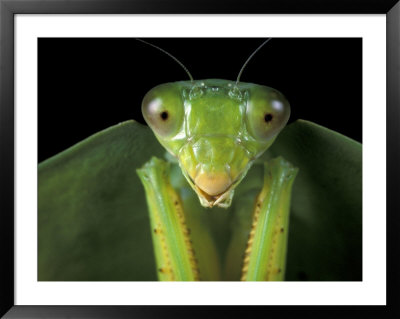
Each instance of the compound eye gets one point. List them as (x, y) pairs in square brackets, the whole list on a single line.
[(162, 108), (267, 113)]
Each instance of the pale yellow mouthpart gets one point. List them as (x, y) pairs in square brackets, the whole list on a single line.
[(213, 183)]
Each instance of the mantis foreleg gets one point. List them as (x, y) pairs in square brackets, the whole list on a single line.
[(265, 254), (174, 253)]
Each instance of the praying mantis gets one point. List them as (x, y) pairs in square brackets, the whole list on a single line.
[(93, 219), (214, 131)]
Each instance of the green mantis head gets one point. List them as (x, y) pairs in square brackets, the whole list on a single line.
[(216, 129)]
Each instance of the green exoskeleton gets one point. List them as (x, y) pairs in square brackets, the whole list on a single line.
[(215, 131)]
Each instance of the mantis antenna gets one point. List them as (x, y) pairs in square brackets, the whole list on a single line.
[(249, 58), (170, 55)]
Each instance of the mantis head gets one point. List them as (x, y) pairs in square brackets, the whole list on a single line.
[(216, 129)]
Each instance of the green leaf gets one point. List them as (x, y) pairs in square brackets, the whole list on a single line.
[(93, 222), (325, 238)]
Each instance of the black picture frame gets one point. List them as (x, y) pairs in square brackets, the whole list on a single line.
[(8, 10)]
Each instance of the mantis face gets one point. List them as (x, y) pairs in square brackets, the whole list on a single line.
[(216, 129)]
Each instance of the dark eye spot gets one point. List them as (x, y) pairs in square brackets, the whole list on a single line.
[(268, 118), (164, 115)]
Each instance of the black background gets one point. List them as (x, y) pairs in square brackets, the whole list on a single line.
[(87, 85)]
